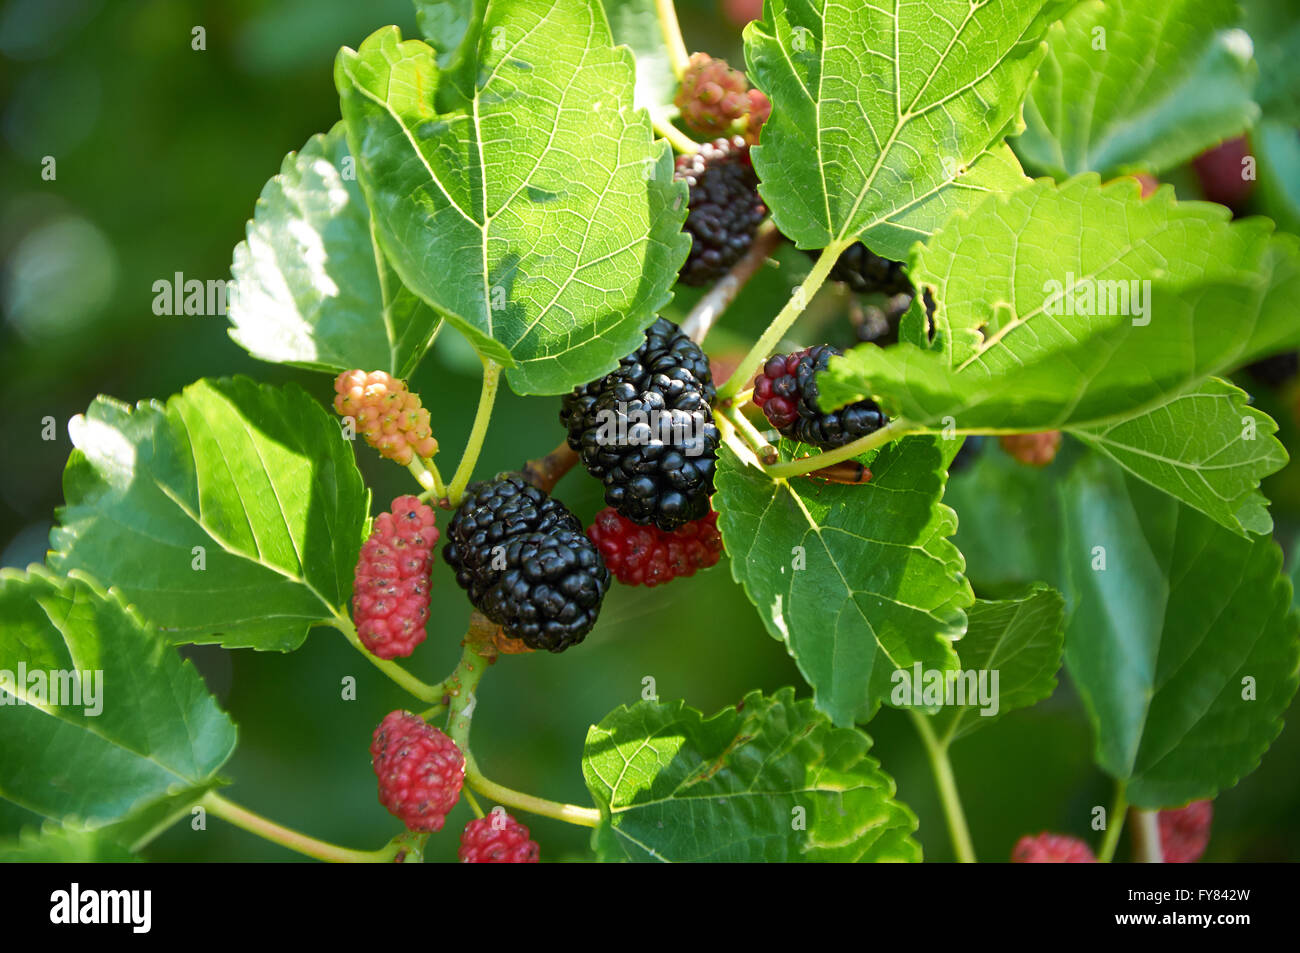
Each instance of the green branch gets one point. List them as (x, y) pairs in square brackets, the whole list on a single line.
[(482, 417), (309, 846), (947, 785), (776, 331), (421, 690), (672, 32), (1114, 823)]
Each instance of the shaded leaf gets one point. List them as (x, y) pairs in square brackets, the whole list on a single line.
[(858, 581), (138, 725), (1184, 647), (768, 780), (61, 845), (260, 478), (1135, 86)]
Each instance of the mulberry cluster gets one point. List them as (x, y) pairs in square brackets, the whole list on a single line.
[(497, 839), (713, 98), (646, 430), (1052, 849), (1185, 832), (866, 272), (725, 209), (388, 416), (390, 592), (647, 556), (420, 770), (786, 391), (526, 563)]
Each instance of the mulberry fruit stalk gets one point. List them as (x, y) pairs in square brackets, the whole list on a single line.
[(390, 591), (387, 414), (420, 770)]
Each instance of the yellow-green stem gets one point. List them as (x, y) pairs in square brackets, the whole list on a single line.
[(672, 32), (571, 813), (776, 331), (1114, 823), (886, 434), (676, 138), (946, 783), (487, 397), (421, 690), (426, 474), (293, 840), (1145, 836)]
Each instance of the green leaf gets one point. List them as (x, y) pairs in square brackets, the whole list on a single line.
[(1019, 639), (1184, 647), (1275, 30), (858, 581), (1204, 446), (61, 845), (259, 477), (768, 780), (1007, 355), (1132, 85), (1277, 193), (635, 24), (139, 727), (446, 23), (522, 195), (879, 111), (313, 288)]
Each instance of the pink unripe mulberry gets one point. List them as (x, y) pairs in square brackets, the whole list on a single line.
[(420, 770), (390, 593)]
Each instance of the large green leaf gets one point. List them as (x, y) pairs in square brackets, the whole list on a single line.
[(59, 845), (635, 24), (1132, 85), (520, 194), (858, 581), (1019, 639), (1203, 445), (883, 117), (313, 287), (768, 780), (259, 477), (1184, 646), (1007, 355), (1275, 30), (150, 732)]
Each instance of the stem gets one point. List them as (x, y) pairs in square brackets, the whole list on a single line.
[(427, 475), (545, 472), (765, 452), (1114, 823), (782, 322), (672, 35), (708, 309), (473, 803), (421, 690), (1146, 837), (676, 138), (488, 396), (947, 785), (301, 843), (460, 688), (891, 431), (570, 813)]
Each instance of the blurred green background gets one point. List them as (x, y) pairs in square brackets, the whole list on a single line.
[(161, 151)]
